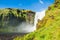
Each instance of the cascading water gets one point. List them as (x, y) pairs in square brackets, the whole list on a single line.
[(30, 28), (38, 15)]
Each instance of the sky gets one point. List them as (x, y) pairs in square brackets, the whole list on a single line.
[(34, 5)]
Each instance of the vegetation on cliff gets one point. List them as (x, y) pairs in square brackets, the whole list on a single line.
[(49, 27), (10, 17)]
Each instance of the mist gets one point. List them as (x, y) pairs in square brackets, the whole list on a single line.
[(26, 27)]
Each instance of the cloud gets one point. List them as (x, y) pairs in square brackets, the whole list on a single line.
[(41, 1)]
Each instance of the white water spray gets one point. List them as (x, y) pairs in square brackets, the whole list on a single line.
[(39, 15), (25, 28)]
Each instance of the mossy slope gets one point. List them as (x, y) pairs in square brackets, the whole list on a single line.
[(49, 27)]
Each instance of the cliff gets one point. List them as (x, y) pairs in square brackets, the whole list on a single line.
[(10, 17), (49, 27)]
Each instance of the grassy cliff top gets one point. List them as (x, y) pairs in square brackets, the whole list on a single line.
[(15, 11)]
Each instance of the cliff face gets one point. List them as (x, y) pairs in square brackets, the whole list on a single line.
[(10, 17), (49, 27)]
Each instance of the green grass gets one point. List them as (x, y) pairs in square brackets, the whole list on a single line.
[(49, 28)]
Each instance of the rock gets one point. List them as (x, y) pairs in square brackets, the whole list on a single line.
[(10, 17)]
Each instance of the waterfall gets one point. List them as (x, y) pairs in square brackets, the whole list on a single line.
[(25, 28), (38, 15)]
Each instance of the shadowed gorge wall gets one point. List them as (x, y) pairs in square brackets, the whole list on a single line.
[(11, 19)]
